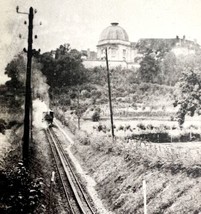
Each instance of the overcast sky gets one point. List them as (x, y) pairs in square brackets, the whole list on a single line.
[(80, 22)]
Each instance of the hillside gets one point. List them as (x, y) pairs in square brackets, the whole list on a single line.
[(172, 173)]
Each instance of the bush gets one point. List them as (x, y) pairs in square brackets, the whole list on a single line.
[(84, 140), (127, 127), (19, 191), (85, 94), (96, 116), (121, 127), (150, 126), (141, 126), (100, 127)]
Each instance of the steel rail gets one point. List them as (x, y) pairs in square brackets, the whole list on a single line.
[(73, 174), (57, 161), (69, 174)]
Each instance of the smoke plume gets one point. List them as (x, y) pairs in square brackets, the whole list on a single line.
[(40, 99)]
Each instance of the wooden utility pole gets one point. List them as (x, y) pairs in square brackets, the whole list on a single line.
[(78, 108), (27, 121), (109, 92), (27, 137)]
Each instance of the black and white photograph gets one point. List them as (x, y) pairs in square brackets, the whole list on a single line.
[(100, 107)]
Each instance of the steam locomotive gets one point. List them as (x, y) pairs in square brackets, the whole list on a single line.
[(48, 116)]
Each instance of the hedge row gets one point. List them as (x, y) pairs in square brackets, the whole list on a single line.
[(164, 137)]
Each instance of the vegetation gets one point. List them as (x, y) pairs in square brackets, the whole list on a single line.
[(96, 115), (19, 193), (74, 89), (63, 67), (188, 96), (171, 174), (149, 68)]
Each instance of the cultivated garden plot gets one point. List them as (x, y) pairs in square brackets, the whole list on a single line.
[(158, 131)]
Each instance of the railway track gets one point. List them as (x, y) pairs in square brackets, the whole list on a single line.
[(77, 200)]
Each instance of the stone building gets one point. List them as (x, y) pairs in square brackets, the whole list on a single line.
[(116, 39), (121, 52)]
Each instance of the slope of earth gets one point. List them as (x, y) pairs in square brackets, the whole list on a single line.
[(88, 183), (172, 177)]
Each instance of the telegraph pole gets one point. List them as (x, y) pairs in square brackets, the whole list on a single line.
[(109, 93), (27, 124), (27, 136), (28, 97)]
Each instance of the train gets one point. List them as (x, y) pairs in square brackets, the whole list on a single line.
[(48, 116)]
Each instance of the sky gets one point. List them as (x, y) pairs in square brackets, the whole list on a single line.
[(80, 22)]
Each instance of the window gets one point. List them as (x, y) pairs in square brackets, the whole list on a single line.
[(113, 53), (124, 53)]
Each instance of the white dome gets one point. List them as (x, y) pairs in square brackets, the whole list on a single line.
[(114, 32)]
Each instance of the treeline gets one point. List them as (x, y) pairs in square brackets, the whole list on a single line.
[(163, 66)]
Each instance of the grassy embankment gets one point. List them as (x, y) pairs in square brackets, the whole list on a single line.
[(172, 174)]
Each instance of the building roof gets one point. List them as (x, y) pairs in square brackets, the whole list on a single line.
[(114, 32)]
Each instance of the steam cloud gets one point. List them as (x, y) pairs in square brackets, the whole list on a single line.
[(40, 99), (38, 108)]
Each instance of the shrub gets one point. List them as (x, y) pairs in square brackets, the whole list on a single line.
[(96, 116), (141, 126), (127, 127), (121, 127), (84, 140), (193, 127), (150, 126), (134, 106), (174, 127), (164, 127), (21, 193), (85, 94), (100, 127)]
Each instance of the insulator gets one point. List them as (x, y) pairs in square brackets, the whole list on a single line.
[(35, 36), (17, 9), (25, 50), (25, 22)]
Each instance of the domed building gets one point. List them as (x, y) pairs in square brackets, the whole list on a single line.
[(121, 52), (116, 39)]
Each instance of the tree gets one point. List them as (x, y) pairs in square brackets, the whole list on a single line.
[(169, 72), (16, 70), (149, 68), (188, 96), (65, 69)]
